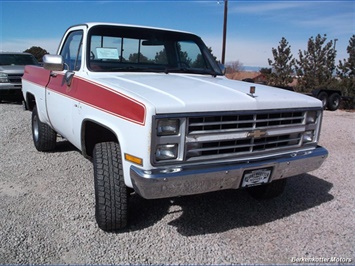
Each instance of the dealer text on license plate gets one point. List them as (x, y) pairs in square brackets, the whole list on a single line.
[(256, 177)]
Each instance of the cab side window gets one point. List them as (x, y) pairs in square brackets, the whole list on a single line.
[(71, 51)]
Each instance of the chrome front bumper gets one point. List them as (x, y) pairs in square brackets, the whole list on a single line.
[(189, 180)]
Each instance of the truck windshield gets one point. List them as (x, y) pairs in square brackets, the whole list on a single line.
[(118, 49), (17, 60)]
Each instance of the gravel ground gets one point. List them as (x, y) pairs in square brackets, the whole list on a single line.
[(47, 211)]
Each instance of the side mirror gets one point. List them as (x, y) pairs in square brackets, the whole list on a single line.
[(53, 62)]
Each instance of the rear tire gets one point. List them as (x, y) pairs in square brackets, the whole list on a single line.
[(268, 191), (333, 102), (44, 137), (111, 210), (323, 96)]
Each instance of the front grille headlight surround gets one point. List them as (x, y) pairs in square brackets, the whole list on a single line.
[(313, 119), (186, 132), (168, 135)]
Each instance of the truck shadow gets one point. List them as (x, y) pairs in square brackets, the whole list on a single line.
[(221, 211), (63, 145)]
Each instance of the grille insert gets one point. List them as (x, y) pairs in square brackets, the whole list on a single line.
[(14, 78), (232, 134)]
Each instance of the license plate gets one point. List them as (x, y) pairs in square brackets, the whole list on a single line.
[(256, 177)]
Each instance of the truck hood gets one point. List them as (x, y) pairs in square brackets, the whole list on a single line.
[(179, 93), (8, 69)]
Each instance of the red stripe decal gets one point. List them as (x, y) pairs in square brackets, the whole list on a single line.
[(37, 75), (90, 93), (110, 100)]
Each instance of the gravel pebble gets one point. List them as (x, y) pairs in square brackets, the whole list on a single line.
[(47, 210)]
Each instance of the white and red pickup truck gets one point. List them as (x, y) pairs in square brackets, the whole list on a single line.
[(152, 110)]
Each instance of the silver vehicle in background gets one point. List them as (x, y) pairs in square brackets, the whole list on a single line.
[(12, 65)]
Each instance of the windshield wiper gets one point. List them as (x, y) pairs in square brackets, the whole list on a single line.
[(191, 71), (133, 69)]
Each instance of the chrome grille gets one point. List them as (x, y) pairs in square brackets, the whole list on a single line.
[(14, 78), (242, 134)]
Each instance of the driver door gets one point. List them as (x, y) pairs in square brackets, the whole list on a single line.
[(62, 98)]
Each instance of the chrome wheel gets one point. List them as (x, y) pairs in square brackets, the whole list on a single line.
[(35, 130)]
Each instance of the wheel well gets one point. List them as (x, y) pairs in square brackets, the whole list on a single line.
[(93, 133), (30, 101)]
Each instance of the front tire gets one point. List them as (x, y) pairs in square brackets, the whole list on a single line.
[(268, 191), (111, 210), (44, 137)]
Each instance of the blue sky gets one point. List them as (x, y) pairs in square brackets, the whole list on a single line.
[(253, 28)]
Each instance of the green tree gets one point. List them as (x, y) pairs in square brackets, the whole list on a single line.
[(346, 70), (282, 66), (316, 66), (160, 57), (138, 58), (37, 52), (266, 71), (184, 58), (199, 62), (214, 57)]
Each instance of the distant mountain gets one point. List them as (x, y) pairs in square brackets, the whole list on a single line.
[(251, 68)]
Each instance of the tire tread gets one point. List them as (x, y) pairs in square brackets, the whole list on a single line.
[(111, 209), (47, 137)]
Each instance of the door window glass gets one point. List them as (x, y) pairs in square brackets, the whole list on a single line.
[(71, 51)]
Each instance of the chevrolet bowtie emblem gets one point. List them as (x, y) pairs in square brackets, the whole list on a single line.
[(257, 134)]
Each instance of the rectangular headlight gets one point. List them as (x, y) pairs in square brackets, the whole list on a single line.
[(308, 136), (4, 78), (167, 127), (311, 117), (166, 152)]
